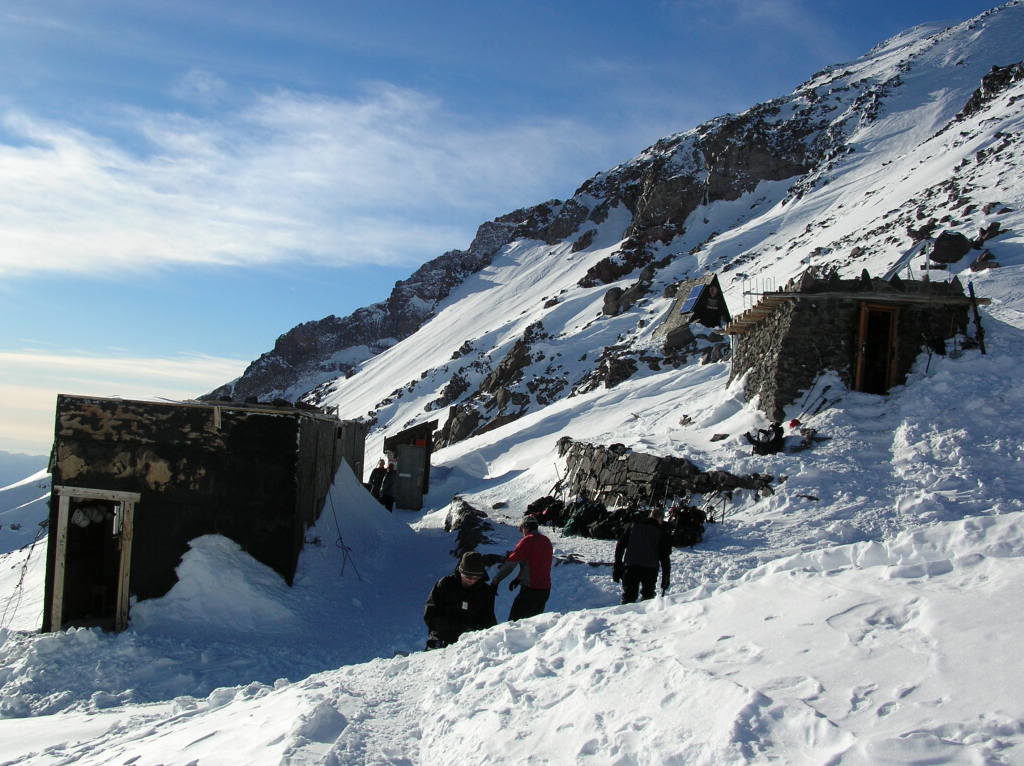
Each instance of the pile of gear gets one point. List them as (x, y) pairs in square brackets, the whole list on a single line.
[(772, 440), (591, 518)]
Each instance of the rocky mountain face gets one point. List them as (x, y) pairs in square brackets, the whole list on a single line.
[(852, 170), (313, 352)]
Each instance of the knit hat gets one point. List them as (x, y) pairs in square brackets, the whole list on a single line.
[(530, 522), (472, 564)]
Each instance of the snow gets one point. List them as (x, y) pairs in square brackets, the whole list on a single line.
[(875, 625), (865, 613)]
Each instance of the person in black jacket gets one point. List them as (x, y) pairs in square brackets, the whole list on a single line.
[(376, 478), (643, 547), (461, 602), (387, 486)]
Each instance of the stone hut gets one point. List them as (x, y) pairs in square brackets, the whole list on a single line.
[(697, 300), (135, 481), (869, 331)]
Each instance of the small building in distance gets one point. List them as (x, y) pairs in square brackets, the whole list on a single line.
[(135, 481), (411, 449), (696, 300), (868, 330)]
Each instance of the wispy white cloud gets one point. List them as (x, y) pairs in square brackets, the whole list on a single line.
[(186, 372), (30, 381), (378, 176), (199, 86)]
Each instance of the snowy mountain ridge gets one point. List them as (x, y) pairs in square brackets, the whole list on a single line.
[(851, 170)]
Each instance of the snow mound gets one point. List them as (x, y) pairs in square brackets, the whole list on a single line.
[(220, 588)]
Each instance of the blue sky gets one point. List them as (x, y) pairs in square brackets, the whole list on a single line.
[(185, 181)]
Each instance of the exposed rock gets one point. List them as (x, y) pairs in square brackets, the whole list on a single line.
[(509, 370), (611, 302), (462, 421), (470, 525), (503, 398), (950, 247), (585, 240), (614, 371), (995, 82), (719, 352), (678, 338), (462, 350), (568, 220), (994, 229), (631, 256), (621, 478), (985, 261), (456, 386)]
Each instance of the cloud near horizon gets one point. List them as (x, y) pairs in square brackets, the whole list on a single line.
[(31, 380), (382, 176)]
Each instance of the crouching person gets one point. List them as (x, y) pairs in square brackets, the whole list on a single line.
[(461, 602)]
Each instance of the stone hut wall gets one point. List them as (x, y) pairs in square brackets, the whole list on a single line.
[(784, 353), (758, 352), (618, 477)]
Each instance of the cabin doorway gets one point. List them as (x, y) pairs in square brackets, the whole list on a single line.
[(411, 466), (93, 558), (876, 348)]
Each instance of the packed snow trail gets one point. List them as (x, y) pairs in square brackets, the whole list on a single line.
[(868, 653)]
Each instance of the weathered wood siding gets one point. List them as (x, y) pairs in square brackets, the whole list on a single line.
[(256, 476)]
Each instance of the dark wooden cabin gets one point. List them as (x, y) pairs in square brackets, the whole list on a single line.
[(135, 481)]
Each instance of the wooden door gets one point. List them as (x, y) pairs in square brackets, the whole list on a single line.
[(122, 528), (875, 365)]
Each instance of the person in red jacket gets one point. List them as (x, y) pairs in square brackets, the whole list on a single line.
[(533, 554)]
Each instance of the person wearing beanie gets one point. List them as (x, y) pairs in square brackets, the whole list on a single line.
[(460, 602), (533, 553)]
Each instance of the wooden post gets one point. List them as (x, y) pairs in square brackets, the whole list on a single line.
[(59, 564), (125, 566), (862, 332)]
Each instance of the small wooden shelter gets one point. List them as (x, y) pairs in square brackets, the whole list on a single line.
[(869, 331), (135, 481), (411, 449), (700, 301)]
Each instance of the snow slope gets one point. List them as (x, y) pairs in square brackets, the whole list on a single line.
[(866, 613)]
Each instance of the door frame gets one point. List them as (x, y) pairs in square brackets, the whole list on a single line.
[(124, 518), (862, 331)]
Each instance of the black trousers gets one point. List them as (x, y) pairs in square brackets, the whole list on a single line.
[(638, 581), (529, 602)]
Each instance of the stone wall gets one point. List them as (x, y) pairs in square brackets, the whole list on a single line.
[(619, 477), (784, 352)]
